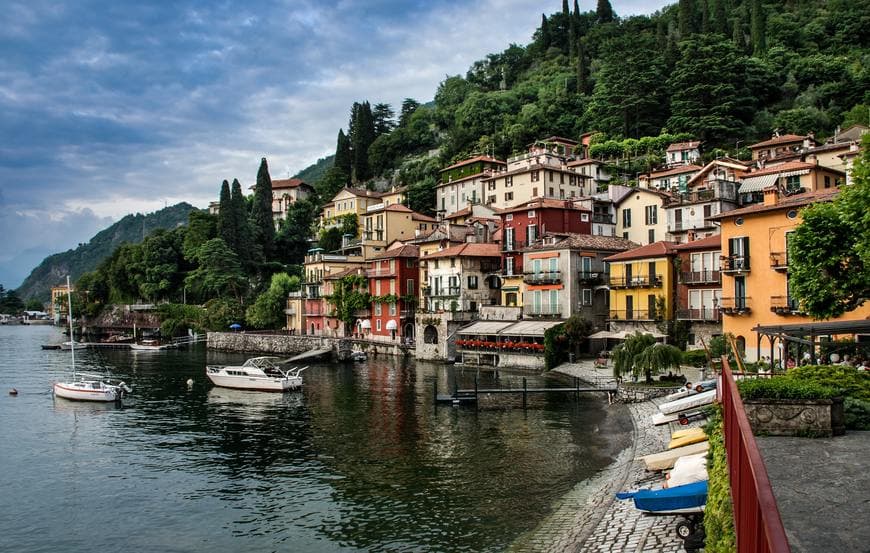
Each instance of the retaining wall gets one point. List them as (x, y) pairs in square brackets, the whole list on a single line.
[(267, 343)]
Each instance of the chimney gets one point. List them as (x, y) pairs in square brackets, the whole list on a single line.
[(771, 195)]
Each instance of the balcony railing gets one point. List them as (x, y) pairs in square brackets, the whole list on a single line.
[(701, 277), (376, 234), (591, 277), (375, 273), (699, 314), (549, 277), (784, 305), (644, 281), (631, 315), (603, 219), (779, 261), (735, 306), (543, 312), (442, 292), (512, 245), (735, 264)]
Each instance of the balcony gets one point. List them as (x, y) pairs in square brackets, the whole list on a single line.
[(631, 315), (710, 314), (312, 313), (717, 189), (376, 235), (378, 273), (590, 277), (636, 282), (512, 246), (549, 277), (735, 264), (603, 219), (450, 291), (779, 261), (290, 311), (784, 305), (543, 312), (735, 306), (701, 277)]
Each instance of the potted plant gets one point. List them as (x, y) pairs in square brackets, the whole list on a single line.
[(783, 406)]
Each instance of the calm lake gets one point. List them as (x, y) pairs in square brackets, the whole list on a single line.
[(360, 460)]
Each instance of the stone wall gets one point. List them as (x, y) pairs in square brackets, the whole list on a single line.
[(705, 332), (266, 343), (793, 417)]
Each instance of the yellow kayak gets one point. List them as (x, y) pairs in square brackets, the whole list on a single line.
[(686, 432), (688, 438)]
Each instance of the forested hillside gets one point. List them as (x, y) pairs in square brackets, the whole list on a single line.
[(131, 229), (727, 72)]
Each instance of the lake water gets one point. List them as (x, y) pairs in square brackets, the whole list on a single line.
[(360, 460)]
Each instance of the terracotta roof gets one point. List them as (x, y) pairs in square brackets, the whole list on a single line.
[(659, 193), (289, 183), (674, 171), (787, 166), (678, 146), (709, 243), (473, 160), (656, 249), (798, 200), (408, 250), (465, 178), (457, 234), (460, 213), (371, 193), (781, 139), (415, 216), (469, 250), (585, 242), (558, 139), (535, 167), (586, 161), (343, 273), (543, 203)]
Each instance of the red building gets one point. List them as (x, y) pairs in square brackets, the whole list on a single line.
[(523, 224), (394, 283), (699, 288)]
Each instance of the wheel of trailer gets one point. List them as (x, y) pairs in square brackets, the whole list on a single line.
[(685, 529)]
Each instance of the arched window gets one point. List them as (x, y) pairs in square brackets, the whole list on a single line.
[(430, 335)]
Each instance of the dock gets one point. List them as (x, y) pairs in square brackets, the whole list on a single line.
[(312, 354), (513, 395)]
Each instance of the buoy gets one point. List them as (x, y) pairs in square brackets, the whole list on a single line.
[(13, 392), (189, 383)]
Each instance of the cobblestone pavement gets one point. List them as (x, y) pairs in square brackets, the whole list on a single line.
[(589, 518)]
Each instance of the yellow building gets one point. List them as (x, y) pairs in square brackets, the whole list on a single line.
[(755, 267), (642, 287), (357, 202), (641, 217), (58, 296), (383, 224)]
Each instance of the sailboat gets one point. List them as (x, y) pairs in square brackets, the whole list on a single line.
[(86, 387)]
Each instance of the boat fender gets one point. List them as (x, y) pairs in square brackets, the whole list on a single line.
[(13, 392), (189, 383)]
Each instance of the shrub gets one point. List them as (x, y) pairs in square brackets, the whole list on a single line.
[(719, 512), (849, 381), (695, 358), (857, 414), (782, 387)]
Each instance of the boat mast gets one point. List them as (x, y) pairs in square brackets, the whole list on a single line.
[(72, 341)]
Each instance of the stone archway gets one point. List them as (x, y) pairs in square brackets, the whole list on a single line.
[(408, 331), (430, 335)]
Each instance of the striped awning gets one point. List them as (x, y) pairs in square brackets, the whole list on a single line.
[(757, 184)]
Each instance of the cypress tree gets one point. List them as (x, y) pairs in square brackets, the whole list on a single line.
[(240, 242), (705, 17), (572, 32), (545, 33), (582, 72), (719, 19), (226, 218), (687, 18), (343, 159), (361, 137), (757, 20), (262, 223), (604, 11)]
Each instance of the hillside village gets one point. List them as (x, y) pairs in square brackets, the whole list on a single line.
[(519, 246)]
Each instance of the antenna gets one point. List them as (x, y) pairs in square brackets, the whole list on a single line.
[(72, 342)]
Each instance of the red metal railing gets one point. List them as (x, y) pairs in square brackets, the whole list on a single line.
[(756, 516)]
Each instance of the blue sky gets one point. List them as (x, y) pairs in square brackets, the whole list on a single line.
[(109, 108)]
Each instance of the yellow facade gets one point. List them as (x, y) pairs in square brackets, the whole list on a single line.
[(637, 288), (641, 217), (755, 291), (512, 290)]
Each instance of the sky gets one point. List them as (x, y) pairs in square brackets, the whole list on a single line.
[(109, 108)]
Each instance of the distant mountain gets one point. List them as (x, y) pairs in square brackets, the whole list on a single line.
[(315, 172), (85, 258)]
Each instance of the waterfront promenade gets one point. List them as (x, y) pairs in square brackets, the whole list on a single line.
[(589, 518)]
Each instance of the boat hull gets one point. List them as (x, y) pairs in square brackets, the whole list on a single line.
[(689, 498), (78, 393), (255, 383)]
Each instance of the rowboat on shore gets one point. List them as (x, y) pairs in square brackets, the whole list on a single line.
[(689, 498), (666, 459), (687, 403), (687, 437)]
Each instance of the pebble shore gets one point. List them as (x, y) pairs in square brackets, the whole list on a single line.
[(589, 518)]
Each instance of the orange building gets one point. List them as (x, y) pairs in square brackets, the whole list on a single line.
[(754, 268)]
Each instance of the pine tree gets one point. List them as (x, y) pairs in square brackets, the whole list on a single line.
[(758, 23), (226, 219), (262, 223), (604, 11), (383, 115), (719, 19), (409, 106), (705, 16)]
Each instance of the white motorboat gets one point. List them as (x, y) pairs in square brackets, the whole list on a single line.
[(150, 345), (66, 346), (257, 373), (86, 387)]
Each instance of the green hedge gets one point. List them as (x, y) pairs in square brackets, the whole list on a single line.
[(695, 358), (719, 512), (848, 380), (783, 387), (856, 413)]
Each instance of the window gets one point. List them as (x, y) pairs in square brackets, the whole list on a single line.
[(508, 196), (491, 186), (792, 183), (554, 264), (393, 287), (708, 211), (626, 218), (378, 309), (509, 217), (535, 192), (587, 296), (409, 262), (652, 235), (436, 263), (531, 234), (378, 325), (551, 175), (472, 282), (827, 181), (409, 287), (583, 216), (531, 214), (509, 181), (453, 262), (377, 287), (509, 266), (551, 191), (561, 178), (625, 235), (490, 199), (561, 194), (651, 215), (651, 306), (535, 176), (393, 309)]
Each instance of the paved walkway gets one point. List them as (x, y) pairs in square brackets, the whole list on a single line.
[(821, 488), (589, 518)]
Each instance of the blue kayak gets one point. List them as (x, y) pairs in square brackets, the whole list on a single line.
[(689, 498)]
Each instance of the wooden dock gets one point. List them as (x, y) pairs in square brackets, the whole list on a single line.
[(473, 395)]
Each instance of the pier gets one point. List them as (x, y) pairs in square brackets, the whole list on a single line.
[(506, 397)]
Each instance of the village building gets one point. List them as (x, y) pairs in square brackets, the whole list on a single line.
[(595, 169), (642, 287), (670, 179), (781, 147), (305, 310), (683, 153), (393, 277), (791, 177), (699, 289), (355, 201), (711, 191), (461, 184), (286, 192), (755, 265), (383, 224), (641, 217)]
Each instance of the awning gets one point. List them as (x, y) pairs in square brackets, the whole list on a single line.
[(757, 184), (484, 328), (365, 323), (529, 328), (391, 324)]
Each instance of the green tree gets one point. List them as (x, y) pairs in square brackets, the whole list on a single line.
[(349, 297), (330, 239), (343, 156), (268, 309), (656, 359), (409, 106), (758, 23), (159, 272), (625, 354), (241, 243), (262, 222), (292, 239), (362, 134), (604, 11), (226, 225), (829, 252), (383, 119), (219, 272), (201, 227)]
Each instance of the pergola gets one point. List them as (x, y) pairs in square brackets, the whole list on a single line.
[(807, 334)]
